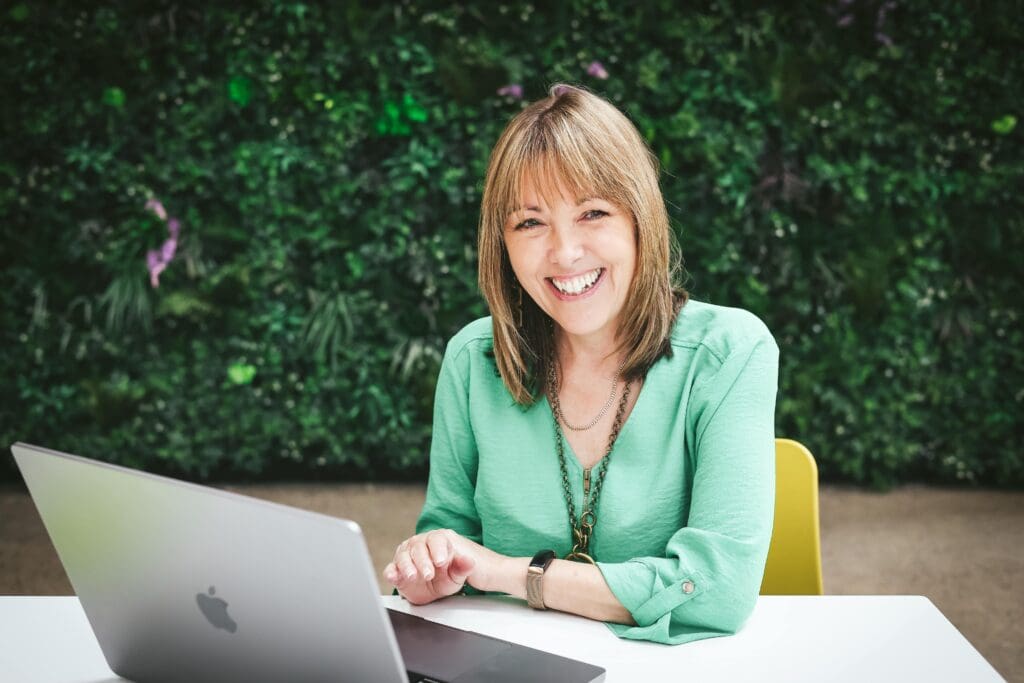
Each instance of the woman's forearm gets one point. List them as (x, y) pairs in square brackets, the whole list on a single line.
[(568, 587)]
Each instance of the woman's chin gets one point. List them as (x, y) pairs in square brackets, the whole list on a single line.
[(581, 327)]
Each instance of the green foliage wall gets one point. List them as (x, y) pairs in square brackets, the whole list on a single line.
[(851, 172)]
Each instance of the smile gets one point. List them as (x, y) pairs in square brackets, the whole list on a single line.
[(576, 285)]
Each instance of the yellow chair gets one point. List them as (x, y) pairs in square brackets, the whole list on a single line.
[(794, 556)]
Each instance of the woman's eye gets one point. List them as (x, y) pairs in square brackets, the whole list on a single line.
[(528, 223), (594, 214)]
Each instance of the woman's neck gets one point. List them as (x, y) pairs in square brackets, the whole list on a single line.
[(592, 354)]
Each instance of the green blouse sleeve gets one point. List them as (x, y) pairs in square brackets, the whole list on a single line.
[(707, 582), (453, 456)]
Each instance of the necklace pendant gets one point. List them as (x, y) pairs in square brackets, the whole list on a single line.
[(580, 557), (581, 539)]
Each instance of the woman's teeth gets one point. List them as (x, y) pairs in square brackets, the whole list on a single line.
[(578, 284)]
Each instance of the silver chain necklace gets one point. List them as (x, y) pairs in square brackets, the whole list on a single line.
[(604, 408)]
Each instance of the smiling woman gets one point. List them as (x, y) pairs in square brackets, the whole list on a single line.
[(662, 507)]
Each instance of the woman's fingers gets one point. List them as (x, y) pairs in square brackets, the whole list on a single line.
[(413, 560), (404, 563), (440, 546), (421, 559), (428, 566), (394, 575)]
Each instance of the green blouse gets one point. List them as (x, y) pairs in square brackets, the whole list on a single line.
[(685, 514)]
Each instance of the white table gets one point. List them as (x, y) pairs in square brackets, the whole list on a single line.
[(834, 638)]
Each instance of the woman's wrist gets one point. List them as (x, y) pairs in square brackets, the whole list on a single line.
[(506, 575)]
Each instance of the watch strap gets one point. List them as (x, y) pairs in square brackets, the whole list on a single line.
[(535, 578)]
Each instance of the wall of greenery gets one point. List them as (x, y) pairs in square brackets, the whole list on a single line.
[(851, 172)]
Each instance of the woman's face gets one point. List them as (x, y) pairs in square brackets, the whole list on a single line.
[(575, 259)]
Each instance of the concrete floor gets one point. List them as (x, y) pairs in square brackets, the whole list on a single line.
[(962, 549)]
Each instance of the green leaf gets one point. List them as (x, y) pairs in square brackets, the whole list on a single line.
[(240, 90), (413, 111), (114, 97), (1005, 124), (181, 304), (355, 264), (19, 12), (241, 373)]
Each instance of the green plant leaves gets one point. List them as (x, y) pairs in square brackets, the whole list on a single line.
[(1004, 125), (328, 162), (396, 117), (114, 97), (241, 373), (240, 90)]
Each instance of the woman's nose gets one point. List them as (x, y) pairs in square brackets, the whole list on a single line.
[(566, 247)]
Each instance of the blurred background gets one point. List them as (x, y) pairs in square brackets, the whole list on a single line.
[(235, 241)]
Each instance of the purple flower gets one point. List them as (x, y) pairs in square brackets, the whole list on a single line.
[(845, 20), (597, 70), (158, 259), (167, 250), (882, 11), (513, 90), (156, 207), (880, 18), (560, 90), (155, 265)]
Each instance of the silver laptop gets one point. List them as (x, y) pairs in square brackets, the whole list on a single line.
[(186, 583)]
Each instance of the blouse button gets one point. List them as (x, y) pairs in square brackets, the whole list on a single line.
[(687, 587)]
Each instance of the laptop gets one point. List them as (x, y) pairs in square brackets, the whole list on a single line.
[(182, 582)]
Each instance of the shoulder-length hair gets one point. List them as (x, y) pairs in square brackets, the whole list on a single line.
[(574, 139)]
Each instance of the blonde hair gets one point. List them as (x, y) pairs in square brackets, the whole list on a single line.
[(575, 139)]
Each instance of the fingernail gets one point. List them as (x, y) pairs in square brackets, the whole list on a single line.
[(428, 575), (410, 574), (441, 559)]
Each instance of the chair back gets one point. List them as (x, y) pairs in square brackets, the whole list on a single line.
[(794, 557)]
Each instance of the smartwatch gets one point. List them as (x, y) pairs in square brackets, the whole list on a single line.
[(535, 578)]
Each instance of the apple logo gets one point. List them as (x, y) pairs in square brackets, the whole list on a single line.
[(216, 611)]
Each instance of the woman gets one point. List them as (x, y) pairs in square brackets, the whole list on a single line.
[(597, 413)]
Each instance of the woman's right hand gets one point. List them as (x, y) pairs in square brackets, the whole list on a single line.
[(431, 565)]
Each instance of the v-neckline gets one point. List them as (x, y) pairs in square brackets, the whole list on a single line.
[(623, 431)]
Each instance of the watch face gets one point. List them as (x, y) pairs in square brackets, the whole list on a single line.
[(542, 559)]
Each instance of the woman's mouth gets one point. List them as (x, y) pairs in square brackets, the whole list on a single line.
[(576, 286)]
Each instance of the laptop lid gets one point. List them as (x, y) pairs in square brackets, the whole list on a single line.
[(186, 583)]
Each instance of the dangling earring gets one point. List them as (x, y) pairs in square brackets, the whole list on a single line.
[(519, 306)]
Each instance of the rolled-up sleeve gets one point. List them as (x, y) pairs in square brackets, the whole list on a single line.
[(707, 582)]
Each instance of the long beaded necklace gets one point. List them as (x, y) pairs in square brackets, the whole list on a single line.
[(582, 526)]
